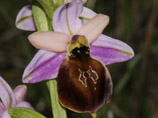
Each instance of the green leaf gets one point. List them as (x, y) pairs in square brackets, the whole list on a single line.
[(40, 18), (20, 112), (57, 109)]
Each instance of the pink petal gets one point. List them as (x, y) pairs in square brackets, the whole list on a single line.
[(110, 50), (20, 93), (6, 94), (44, 66), (86, 14), (24, 19), (84, 1), (5, 115), (66, 17), (94, 27), (48, 40), (2, 108), (24, 104)]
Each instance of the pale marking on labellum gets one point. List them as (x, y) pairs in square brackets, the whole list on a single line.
[(82, 78), (93, 75)]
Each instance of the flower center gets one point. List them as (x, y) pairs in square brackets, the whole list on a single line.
[(78, 46)]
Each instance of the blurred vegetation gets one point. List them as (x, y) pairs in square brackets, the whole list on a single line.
[(135, 83)]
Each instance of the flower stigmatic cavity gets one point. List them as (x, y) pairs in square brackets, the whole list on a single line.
[(84, 83), (78, 44)]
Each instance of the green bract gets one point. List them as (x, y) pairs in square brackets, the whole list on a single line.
[(40, 18), (48, 6)]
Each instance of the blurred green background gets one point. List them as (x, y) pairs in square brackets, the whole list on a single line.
[(135, 83)]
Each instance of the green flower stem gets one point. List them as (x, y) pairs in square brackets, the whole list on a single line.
[(43, 24), (58, 110)]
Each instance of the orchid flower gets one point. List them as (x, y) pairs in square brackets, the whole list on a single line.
[(75, 53), (11, 98), (45, 64)]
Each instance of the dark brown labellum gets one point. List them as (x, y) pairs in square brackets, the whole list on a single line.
[(84, 83)]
